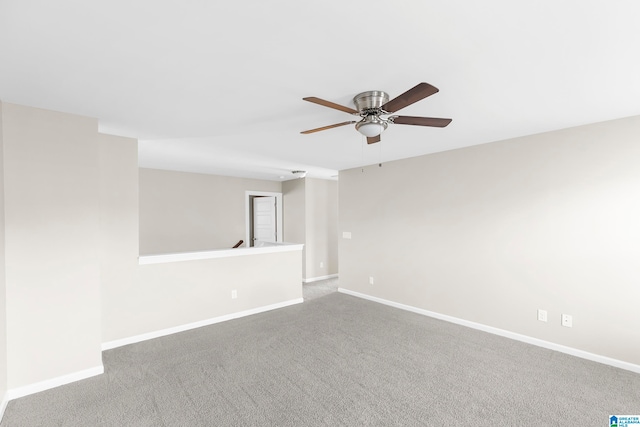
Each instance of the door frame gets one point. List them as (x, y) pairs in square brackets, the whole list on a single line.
[(248, 197)]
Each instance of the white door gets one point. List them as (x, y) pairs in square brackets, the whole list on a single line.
[(264, 220)]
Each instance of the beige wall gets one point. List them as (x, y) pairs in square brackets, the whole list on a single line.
[(311, 217), (173, 294), (3, 287), (294, 223), (145, 299), (182, 211), (493, 232), (118, 226), (321, 217), (51, 196)]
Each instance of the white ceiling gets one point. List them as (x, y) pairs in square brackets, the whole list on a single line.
[(217, 87)]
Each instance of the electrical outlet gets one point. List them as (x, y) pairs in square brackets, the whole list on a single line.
[(234, 294), (542, 315), (371, 280), (567, 320), (321, 264), (346, 234)]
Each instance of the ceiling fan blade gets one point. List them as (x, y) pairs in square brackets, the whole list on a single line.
[(330, 104), (328, 127), (421, 121), (415, 94), (373, 139)]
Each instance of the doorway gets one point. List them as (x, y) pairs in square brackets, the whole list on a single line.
[(263, 217)]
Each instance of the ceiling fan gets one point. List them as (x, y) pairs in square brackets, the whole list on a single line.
[(376, 111)]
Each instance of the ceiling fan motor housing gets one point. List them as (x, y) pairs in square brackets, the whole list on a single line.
[(370, 102), (369, 105)]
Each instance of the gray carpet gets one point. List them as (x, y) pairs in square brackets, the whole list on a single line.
[(335, 360), (319, 289)]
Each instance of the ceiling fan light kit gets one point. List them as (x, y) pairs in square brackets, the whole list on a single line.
[(375, 111), (371, 126), (369, 104)]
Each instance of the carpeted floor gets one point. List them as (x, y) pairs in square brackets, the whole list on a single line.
[(319, 289), (335, 360)]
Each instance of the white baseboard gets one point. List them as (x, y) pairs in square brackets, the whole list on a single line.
[(161, 333), (316, 279), (15, 393), (503, 333), (3, 406)]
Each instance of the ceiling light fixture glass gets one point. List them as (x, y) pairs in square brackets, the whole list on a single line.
[(371, 126)]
